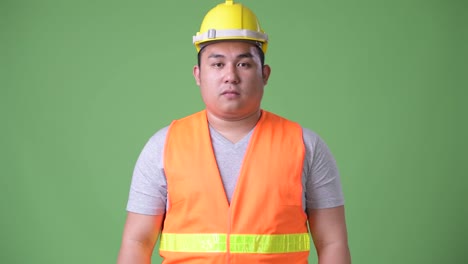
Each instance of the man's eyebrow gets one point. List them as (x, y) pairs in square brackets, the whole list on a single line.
[(214, 55), (245, 55)]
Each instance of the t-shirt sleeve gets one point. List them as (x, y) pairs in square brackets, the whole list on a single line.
[(322, 179), (148, 189)]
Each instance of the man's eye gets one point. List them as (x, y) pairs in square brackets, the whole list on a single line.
[(243, 64), (217, 65)]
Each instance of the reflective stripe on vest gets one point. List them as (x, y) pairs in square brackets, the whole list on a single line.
[(253, 244)]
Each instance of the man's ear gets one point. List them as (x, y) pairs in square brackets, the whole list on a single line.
[(196, 74), (266, 73)]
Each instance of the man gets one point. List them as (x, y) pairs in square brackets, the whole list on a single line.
[(234, 183)]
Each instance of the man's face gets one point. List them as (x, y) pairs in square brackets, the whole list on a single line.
[(231, 79)]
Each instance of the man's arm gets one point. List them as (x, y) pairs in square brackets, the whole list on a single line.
[(328, 230), (139, 237)]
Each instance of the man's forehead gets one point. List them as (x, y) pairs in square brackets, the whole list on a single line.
[(230, 47)]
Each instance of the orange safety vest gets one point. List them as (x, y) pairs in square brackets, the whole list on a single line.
[(265, 222)]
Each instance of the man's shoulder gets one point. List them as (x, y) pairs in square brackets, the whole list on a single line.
[(159, 138), (309, 135)]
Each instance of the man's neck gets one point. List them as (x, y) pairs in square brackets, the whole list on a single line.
[(234, 129)]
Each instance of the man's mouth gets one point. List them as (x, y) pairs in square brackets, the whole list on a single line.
[(230, 92)]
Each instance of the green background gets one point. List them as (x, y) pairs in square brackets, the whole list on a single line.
[(84, 84)]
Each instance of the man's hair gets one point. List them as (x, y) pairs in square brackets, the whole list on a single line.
[(259, 49)]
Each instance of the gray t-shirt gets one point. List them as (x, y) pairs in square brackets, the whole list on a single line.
[(148, 190)]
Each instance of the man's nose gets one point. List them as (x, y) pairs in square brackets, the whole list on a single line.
[(231, 74)]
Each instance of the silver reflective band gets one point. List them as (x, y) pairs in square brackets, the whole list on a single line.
[(213, 34)]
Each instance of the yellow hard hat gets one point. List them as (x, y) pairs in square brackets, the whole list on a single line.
[(230, 21)]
